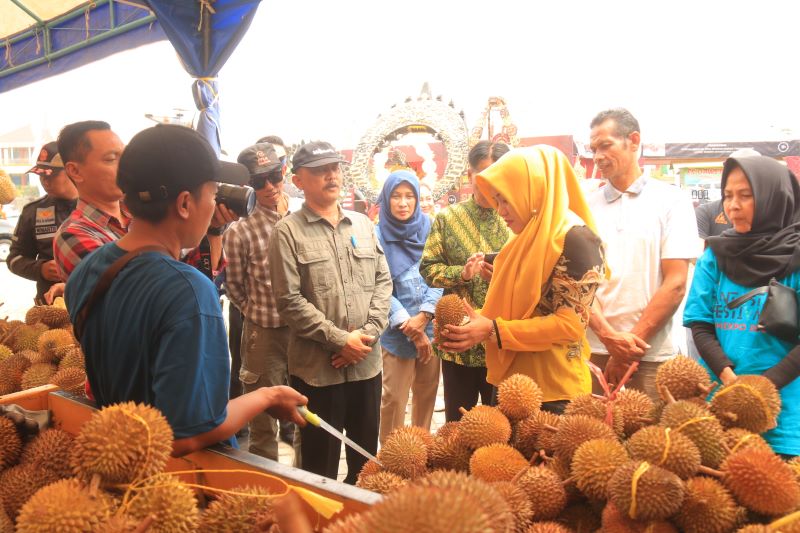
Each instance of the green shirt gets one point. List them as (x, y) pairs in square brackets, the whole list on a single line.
[(458, 232)]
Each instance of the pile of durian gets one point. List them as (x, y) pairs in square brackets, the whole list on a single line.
[(39, 351), (110, 479), (616, 463)]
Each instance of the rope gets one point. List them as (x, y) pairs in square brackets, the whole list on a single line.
[(149, 437), (693, 421), (786, 520), (753, 390), (10, 64), (666, 447), (634, 484), (742, 441)]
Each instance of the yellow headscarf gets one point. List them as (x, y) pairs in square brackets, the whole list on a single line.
[(541, 187)]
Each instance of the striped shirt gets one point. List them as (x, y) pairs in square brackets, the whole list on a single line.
[(86, 230), (458, 232), (247, 279)]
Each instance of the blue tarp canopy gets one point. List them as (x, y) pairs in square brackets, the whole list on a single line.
[(42, 38)]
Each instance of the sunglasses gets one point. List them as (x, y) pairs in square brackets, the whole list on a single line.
[(260, 180)]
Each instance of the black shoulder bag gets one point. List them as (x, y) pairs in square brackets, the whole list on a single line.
[(779, 314)]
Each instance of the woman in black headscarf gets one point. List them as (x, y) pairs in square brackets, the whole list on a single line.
[(761, 198)]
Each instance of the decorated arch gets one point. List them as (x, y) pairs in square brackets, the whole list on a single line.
[(423, 115)]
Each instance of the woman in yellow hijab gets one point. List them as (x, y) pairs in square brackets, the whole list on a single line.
[(540, 296)]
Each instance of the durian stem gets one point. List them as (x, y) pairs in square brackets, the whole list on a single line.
[(703, 469), (665, 394), (462, 410), (145, 524), (569, 480), (548, 427), (631, 369), (705, 389)]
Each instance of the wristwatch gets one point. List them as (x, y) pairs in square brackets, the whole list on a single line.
[(215, 232)]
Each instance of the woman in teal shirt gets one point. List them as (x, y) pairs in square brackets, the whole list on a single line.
[(761, 198)]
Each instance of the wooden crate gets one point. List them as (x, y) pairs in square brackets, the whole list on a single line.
[(69, 413)]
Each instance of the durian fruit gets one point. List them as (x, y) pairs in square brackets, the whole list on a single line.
[(740, 439), (581, 518), (10, 443), (491, 503), (683, 378), (417, 508), (237, 512), (369, 468), (50, 341), (483, 425), (593, 464), (518, 397), (49, 315), (352, 523), (548, 527), (449, 312), (587, 404), (531, 435), (666, 448), (51, 450), (72, 380), (794, 464), (632, 410), (65, 506), (755, 528), (750, 402), (122, 443), (5, 352), (518, 502), (496, 462), (561, 467), (170, 502), (37, 375), (448, 451), (615, 521), (19, 483), (71, 357), (405, 453), (701, 426), (11, 371), (32, 356), (762, 482), (545, 492), (27, 337), (707, 508), (381, 482), (7, 189), (575, 430), (646, 492), (6, 524)]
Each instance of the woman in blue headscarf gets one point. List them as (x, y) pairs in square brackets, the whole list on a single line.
[(408, 362)]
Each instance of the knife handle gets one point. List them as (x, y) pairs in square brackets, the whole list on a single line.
[(310, 417)]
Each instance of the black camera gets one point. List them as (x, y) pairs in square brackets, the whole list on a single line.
[(239, 199)]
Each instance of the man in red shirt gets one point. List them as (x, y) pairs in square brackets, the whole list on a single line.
[(91, 151)]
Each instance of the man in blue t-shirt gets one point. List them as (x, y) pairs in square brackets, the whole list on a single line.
[(157, 335)]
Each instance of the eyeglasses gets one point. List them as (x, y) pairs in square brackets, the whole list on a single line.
[(260, 180)]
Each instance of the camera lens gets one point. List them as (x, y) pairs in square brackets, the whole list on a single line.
[(240, 200)]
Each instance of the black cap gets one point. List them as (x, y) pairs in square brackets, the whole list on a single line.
[(315, 154), (162, 161), (48, 162), (260, 158)]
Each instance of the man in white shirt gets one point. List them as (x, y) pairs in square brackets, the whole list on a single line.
[(650, 236)]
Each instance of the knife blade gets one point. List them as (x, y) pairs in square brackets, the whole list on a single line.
[(315, 420)]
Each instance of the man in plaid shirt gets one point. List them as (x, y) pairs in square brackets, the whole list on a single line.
[(91, 151), (265, 337)]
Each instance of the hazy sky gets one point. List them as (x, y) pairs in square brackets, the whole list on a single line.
[(689, 70)]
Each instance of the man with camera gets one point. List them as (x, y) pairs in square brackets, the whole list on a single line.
[(332, 285), (91, 151), (151, 326), (265, 335)]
